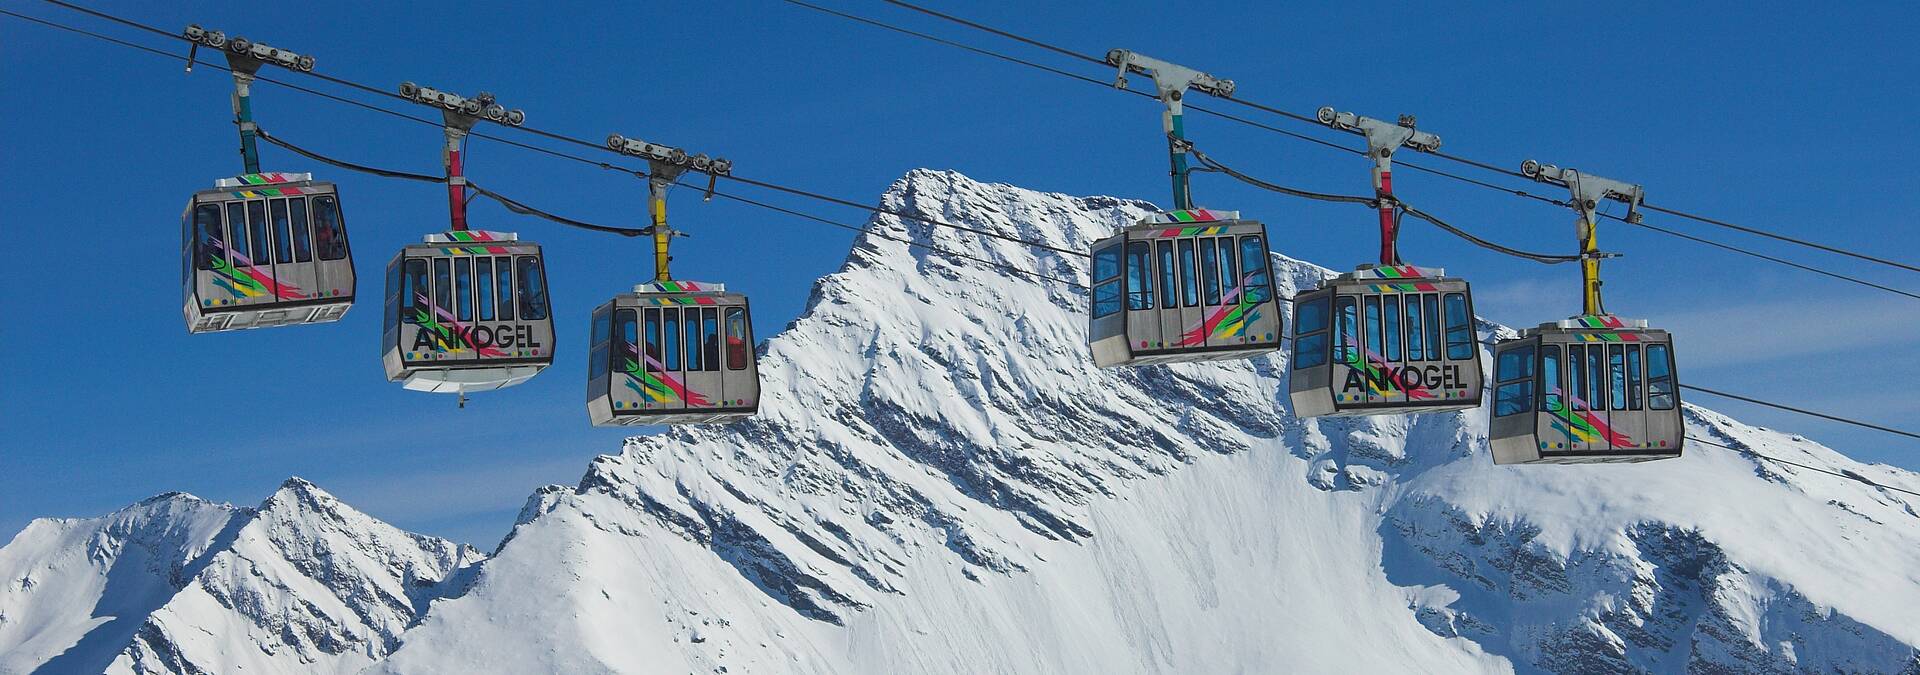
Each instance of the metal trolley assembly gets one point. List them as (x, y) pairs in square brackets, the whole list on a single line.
[(262, 249), (672, 351), (1190, 284), (1595, 387), (467, 310), (1387, 338)]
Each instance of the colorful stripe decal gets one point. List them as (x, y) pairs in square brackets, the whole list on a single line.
[(655, 385), (1580, 424)]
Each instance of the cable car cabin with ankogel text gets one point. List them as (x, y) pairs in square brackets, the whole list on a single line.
[(467, 311), (1385, 339), (1587, 389), (1188, 285), (265, 249), (672, 352)]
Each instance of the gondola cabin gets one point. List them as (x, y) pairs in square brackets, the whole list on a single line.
[(1385, 339), (467, 311), (1587, 389), (674, 352), (263, 250), (1191, 285)]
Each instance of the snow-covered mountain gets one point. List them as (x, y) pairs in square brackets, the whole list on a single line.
[(175, 584), (940, 481)]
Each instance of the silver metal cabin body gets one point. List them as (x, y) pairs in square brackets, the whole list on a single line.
[(262, 250), (1586, 389), (1188, 285), (1385, 339), (674, 352), (467, 311)]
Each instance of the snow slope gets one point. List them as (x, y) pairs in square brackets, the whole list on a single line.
[(940, 481)]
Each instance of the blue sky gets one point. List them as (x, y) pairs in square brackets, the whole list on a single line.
[(1783, 116)]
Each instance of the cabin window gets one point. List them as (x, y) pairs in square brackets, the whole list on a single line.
[(1551, 400), (1189, 290), (1169, 274), (1253, 258), (1633, 377), (503, 286), (1459, 328), (442, 285), (1229, 271), (736, 338), (1597, 376), (1209, 272), (302, 230), (1106, 277), (237, 225), (329, 234), (463, 288), (1310, 334), (1416, 349), (210, 237), (670, 334), (1373, 323), (533, 288), (601, 337), (483, 282), (626, 358), (693, 340), (653, 340), (1659, 378), (1430, 304), (1390, 310), (1577, 377), (1617, 377), (1514, 372), (282, 232), (1346, 331), (710, 337), (257, 232), (1139, 275), (413, 291), (394, 292)]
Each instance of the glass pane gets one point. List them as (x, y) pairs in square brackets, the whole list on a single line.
[(1253, 257), (1163, 250), (1390, 310), (710, 336), (302, 230), (1459, 328), (1106, 263), (257, 232), (442, 286), (1229, 271), (211, 236), (693, 340), (1106, 298), (653, 339), (1310, 351), (1550, 397), (1373, 324), (483, 271), (503, 287), (1577, 377), (237, 224), (1514, 364), (602, 327), (1139, 275), (1311, 318), (1189, 291), (1633, 377), (414, 293), (1513, 398), (1616, 377), (600, 338), (1597, 377), (627, 343), (1659, 378), (396, 289), (533, 288), (1347, 331), (463, 288), (670, 332), (736, 338), (1430, 305), (282, 232), (329, 232), (1209, 272), (1415, 331)]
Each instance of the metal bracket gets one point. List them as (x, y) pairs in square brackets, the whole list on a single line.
[(245, 55), (460, 111), (1383, 137), (1587, 189), (1170, 79)]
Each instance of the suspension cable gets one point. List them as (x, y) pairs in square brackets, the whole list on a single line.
[(1803, 411), (1849, 475)]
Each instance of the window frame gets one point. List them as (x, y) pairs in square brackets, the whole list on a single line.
[(1137, 268), (1209, 272), (1189, 285), (1413, 321), (484, 304), (1169, 273), (738, 342), (337, 225), (1459, 326), (282, 223), (531, 293), (1259, 281), (204, 250), (1667, 377), (259, 233), (463, 288), (1511, 387), (1391, 328)]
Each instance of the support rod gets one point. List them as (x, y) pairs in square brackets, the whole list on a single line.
[(1587, 191), (456, 178), (243, 118), (1383, 139), (1171, 82)]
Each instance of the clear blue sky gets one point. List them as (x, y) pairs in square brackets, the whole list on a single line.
[(1781, 115)]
